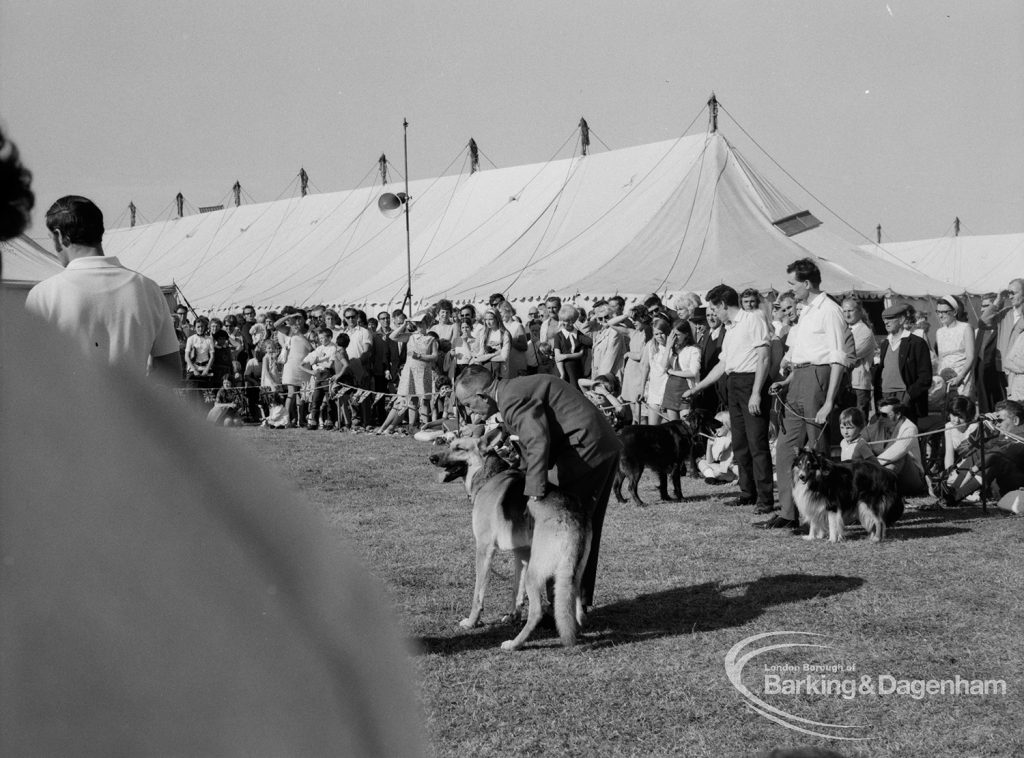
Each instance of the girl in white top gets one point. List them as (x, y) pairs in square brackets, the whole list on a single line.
[(518, 340), (495, 344), (657, 354)]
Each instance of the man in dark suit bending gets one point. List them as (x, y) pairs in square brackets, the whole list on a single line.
[(560, 432)]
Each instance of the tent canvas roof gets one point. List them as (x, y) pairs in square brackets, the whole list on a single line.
[(26, 261), (975, 264), (683, 214)]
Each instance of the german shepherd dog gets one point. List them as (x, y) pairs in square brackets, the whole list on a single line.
[(665, 448), (826, 491), (549, 538)]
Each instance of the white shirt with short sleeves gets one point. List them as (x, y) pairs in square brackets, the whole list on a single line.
[(743, 337), (821, 338), (113, 313)]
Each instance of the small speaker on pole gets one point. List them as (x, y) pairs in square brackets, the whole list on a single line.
[(391, 205)]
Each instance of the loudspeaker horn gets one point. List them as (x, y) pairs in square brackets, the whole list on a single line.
[(391, 204)]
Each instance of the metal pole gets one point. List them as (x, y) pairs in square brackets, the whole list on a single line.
[(408, 237)]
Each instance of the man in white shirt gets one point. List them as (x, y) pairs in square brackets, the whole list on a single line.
[(113, 313), (744, 362), (816, 355)]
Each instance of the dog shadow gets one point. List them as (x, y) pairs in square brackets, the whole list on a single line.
[(707, 607), (697, 608)]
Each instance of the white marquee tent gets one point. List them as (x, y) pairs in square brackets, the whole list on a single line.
[(975, 264), (684, 214)]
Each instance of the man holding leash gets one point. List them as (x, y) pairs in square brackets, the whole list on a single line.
[(817, 357), (559, 431), (744, 363)]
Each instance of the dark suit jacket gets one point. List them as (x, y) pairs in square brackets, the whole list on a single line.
[(915, 370), (711, 398), (557, 427)]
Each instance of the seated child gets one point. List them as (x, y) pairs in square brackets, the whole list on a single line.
[(225, 407), (717, 465), (853, 447)]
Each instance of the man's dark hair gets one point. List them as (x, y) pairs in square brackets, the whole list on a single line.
[(652, 302), (553, 299), (1013, 408), (384, 314), (16, 198), (805, 270), (723, 294), (77, 219), (343, 339), (599, 303), (618, 299), (473, 379), (444, 305), (468, 307), (898, 408)]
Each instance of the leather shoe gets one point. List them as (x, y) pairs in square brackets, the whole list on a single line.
[(776, 522), (762, 509), (740, 501)]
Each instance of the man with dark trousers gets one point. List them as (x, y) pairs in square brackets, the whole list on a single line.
[(744, 363), (560, 432), (816, 354), (904, 369)]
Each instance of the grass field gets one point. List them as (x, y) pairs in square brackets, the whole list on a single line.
[(679, 585)]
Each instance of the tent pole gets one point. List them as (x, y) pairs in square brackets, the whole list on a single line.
[(408, 239), (713, 106)]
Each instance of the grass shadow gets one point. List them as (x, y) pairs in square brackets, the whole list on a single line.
[(708, 607), (682, 610)]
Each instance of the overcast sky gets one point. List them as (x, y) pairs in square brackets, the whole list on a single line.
[(900, 113)]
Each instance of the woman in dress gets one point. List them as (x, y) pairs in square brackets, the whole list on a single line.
[(632, 374), (570, 346), (657, 353), (495, 344), (292, 327), (954, 344), (682, 367)]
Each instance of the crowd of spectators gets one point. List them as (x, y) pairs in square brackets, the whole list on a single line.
[(651, 362)]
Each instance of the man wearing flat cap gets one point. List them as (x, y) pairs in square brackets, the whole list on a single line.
[(904, 370)]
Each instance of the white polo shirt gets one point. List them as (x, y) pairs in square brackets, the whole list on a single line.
[(113, 313), (747, 333), (821, 338)]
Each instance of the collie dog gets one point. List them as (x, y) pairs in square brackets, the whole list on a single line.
[(828, 492)]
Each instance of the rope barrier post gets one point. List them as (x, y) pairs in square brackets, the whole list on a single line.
[(984, 483)]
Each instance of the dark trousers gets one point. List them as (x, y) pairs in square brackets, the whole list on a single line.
[(593, 491), (804, 399), (750, 439)]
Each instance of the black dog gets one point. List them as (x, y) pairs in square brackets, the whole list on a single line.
[(828, 494), (664, 448)]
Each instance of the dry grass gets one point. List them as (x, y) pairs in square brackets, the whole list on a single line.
[(679, 585)]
